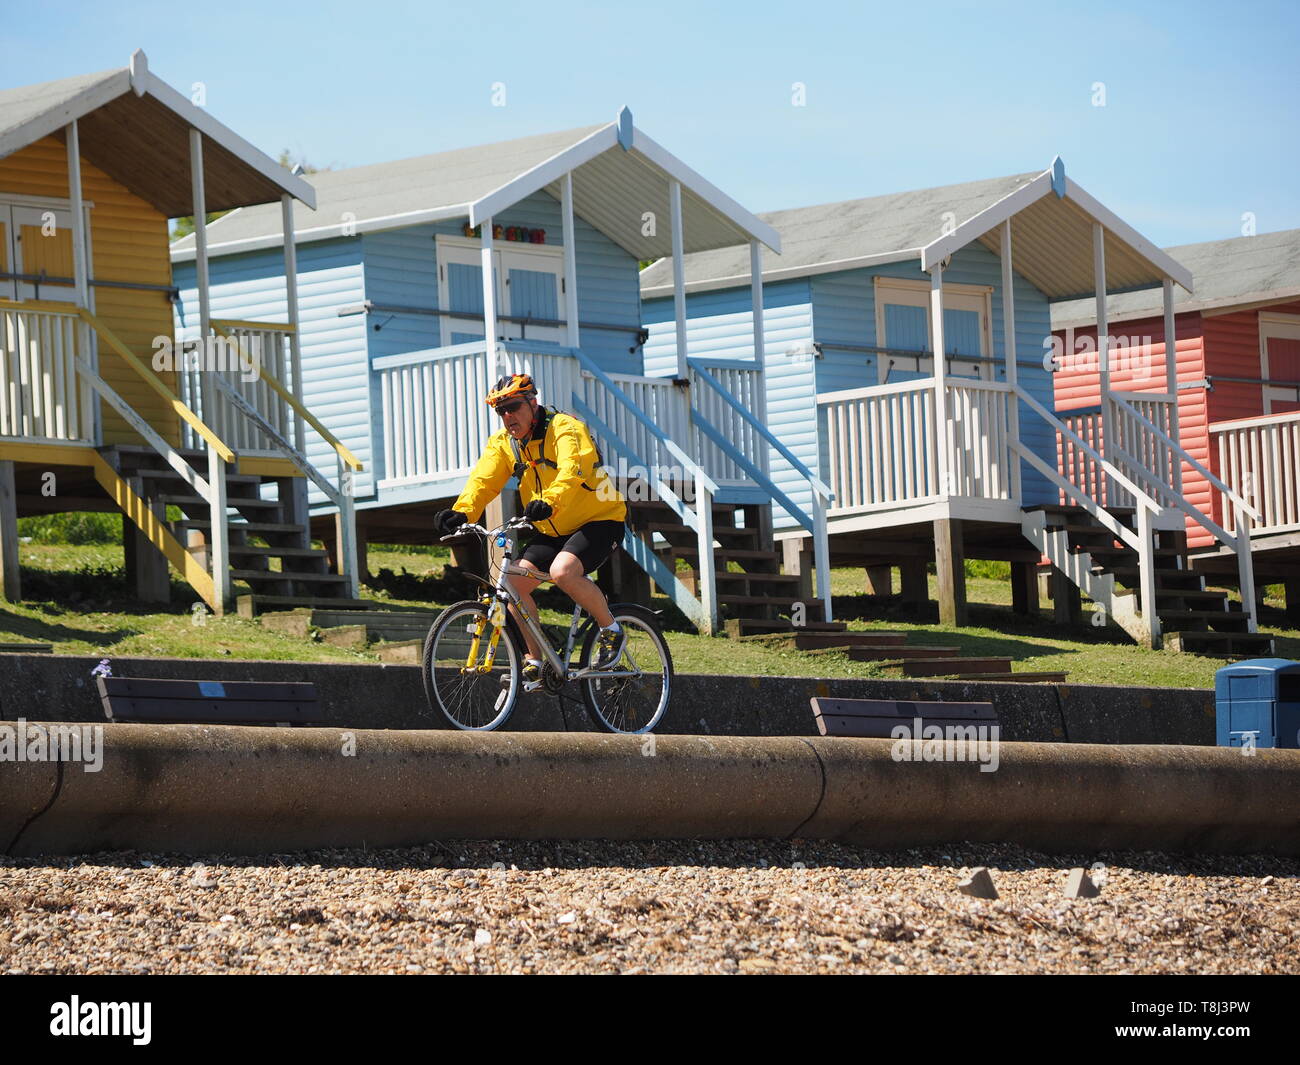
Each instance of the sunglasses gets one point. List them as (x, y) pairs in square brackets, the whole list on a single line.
[(509, 408)]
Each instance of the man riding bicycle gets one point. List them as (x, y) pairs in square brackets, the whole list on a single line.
[(578, 514)]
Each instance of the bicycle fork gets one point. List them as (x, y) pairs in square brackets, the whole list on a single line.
[(495, 616)]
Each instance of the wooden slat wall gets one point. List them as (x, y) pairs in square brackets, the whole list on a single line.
[(128, 243)]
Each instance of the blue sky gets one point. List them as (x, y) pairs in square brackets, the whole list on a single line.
[(1200, 123)]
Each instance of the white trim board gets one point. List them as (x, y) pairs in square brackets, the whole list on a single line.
[(1212, 308), (1013, 203), (139, 79), (601, 141), (334, 229), (42, 125), (786, 273)]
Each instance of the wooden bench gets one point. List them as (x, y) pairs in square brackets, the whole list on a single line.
[(877, 718), (209, 702)]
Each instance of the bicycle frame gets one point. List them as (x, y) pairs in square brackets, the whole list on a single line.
[(503, 597)]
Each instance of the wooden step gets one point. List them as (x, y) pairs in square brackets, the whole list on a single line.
[(1013, 678), (742, 583), (1165, 578), (194, 502), (279, 552), (1221, 644), (1082, 530), (26, 648), (887, 652), (254, 527), (939, 667), (1198, 595), (754, 600), (725, 535), (167, 473), (401, 653), (1074, 508), (250, 606), (815, 643), (377, 625), (255, 576), (805, 640), (740, 628), (721, 555), (408, 618), (1220, 620), (1125, 552)]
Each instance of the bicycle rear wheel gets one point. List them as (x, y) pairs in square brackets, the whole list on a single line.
[(467, 698), (635, 701)]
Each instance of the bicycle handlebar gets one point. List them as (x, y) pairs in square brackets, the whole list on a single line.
[(519, 524)]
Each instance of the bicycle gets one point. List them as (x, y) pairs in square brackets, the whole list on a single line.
[(465, 682)]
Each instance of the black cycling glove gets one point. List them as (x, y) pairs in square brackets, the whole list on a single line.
[(448, 521)]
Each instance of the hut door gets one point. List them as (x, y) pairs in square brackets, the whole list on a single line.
[(903, 325), (460, 290), (42, 240), (533, 283), (1279, 341)]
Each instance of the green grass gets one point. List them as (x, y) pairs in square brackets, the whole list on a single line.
[(78, 600)]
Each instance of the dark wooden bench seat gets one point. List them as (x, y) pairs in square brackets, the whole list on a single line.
[(209, 702), (876, 718)]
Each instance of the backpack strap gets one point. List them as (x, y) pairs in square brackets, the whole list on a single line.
[(522, 464)]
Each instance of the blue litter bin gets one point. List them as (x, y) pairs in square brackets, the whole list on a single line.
[(1259, 699)]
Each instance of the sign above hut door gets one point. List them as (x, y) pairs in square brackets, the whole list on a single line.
[(42, 244), (1279, 343), (903, 325)]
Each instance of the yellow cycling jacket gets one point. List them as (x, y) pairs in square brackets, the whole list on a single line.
[(562, 468)]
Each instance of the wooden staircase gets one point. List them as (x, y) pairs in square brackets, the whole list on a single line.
[(269, 538), (1192, 617), (748, 566), (888, 650)]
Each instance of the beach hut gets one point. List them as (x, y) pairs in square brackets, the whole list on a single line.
[(423, 280), (100, 407), (1237, 409), (928, 466)]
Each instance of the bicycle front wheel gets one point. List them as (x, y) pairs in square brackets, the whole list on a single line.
[(633, 697), (455, 652)]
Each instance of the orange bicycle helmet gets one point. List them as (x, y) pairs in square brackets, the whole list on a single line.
[(514, 384)]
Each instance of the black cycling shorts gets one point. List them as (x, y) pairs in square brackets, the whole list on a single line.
[(593, 543)]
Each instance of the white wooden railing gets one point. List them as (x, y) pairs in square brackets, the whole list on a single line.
[(244, 382), (434, 420), (237, 351), (434, 423), (1076, 465), (709, 394), (42, 396), (883, 449), (744, 383), (433, 416), (664, 404), (1141, 422), (1259, 458), (1136, 450), (881, 445), (980, 461)]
